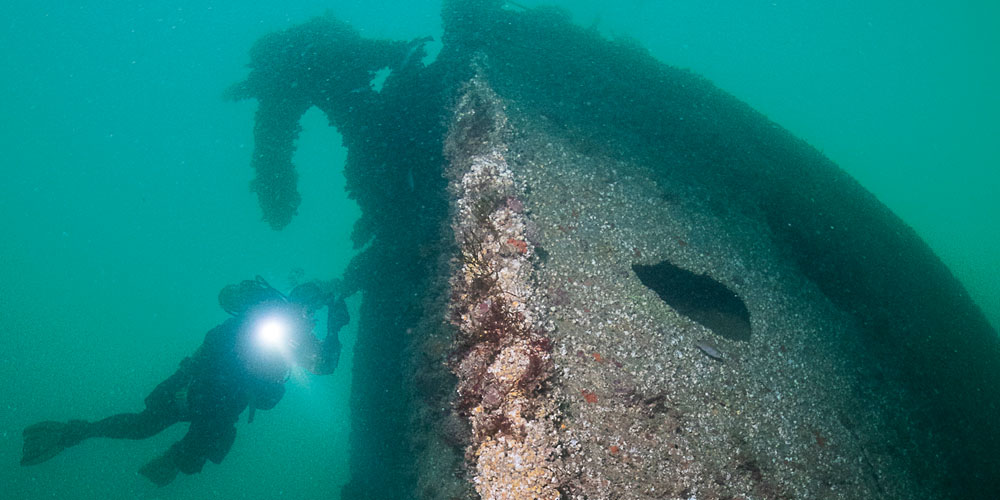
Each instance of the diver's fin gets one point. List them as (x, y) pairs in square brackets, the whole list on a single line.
[(161, 470), (44, 440)]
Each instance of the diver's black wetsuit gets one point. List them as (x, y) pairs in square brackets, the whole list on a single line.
[(210, 389), (226, 375)]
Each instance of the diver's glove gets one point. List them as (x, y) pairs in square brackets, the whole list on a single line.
[(336, 317)]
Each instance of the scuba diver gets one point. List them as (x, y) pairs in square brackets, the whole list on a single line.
[(242, 363)]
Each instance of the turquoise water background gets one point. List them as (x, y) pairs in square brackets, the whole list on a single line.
[(124, 201)]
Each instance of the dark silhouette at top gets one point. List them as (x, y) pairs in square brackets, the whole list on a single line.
[(323, 63)]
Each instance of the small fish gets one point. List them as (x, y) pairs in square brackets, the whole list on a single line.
[(709, 349)]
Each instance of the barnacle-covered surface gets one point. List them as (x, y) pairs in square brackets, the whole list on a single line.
[(642, 411), (868, 372), (503, 356), (647, 414), (507, 348)]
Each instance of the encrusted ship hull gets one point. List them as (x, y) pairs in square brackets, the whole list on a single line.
[(587, 274)]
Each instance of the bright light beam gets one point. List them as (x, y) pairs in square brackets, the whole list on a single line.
[(273, 334)]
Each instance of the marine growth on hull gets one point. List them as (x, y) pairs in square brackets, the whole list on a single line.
[(561, 239)]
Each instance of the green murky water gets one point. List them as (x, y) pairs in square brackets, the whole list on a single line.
[(124, 204)]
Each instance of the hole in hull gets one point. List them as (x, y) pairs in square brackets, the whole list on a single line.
[(699, 297)]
